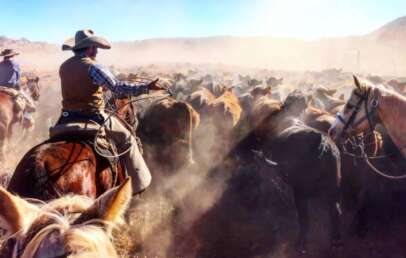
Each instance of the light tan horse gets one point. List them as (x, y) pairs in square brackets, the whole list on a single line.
[(369, 105), (72, 226)]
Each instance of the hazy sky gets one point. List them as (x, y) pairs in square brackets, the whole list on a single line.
[(55, 20)]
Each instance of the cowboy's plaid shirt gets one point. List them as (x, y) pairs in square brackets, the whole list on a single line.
[(103, 77)]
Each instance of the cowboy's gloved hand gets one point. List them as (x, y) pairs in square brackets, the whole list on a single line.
[(153, 86)]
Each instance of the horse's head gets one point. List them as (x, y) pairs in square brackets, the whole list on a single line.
[(295, 103), (126, 111), (32, 85), (359, 113), (273, 82), (260, 91), (72, 226)]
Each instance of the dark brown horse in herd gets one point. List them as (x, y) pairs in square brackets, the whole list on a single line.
[(305, 158)]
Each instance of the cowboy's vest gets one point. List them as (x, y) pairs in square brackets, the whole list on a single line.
[(79, 93)]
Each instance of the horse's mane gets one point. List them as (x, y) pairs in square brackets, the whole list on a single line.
[(93, 236), (316, 111), (392, 101), (295, 125), (62, 213), (387, 92)]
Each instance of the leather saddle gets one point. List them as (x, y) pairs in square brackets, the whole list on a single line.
[(85, 132)]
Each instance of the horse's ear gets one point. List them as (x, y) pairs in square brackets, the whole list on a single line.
[(356, 82), (111, 206), (16, 214)]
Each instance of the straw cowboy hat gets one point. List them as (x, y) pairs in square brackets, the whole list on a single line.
[(8, 53), (84, 39)]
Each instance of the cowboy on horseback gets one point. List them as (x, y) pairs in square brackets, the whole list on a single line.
[(9, 70), (17, 102), (83, 81)]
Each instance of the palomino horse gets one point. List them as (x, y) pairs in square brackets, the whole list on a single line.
[(367, 106), (72, 226), (11, 114)]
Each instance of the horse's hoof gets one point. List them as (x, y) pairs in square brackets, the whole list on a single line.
[(303, 252)]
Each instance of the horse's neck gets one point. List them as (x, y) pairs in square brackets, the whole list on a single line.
[(392, 114)]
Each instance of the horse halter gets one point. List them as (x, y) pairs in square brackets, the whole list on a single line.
[(370, 115)]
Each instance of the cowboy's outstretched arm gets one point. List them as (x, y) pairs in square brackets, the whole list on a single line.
[(105, 78)]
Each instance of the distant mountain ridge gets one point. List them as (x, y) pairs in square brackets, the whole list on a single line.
[(394, 31), (382, 51)]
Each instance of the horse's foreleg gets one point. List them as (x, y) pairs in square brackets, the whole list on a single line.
[(301, 203), (335, 222), (360, 222)]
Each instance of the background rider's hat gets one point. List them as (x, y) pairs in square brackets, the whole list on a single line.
[(84, 39), (8, 53)]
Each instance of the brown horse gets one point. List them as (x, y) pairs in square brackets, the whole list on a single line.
[(357, 183), (55, 168), (305, 158), (60, 166), (166, 129), (11, 113), (72, 226)]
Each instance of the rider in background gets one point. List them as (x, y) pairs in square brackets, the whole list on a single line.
[(10, 78), (9, 70), (83, 81)]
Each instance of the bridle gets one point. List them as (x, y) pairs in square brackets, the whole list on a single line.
[(372, 116), (370, 113)]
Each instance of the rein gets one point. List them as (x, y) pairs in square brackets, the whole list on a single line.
[(379, 172), (115, 113)]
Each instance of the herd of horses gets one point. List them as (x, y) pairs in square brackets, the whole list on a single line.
[(216, 128)]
